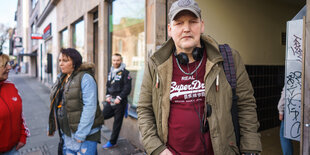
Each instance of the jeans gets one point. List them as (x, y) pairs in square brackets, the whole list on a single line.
[(286, 144), (11, 152), (87, 148)]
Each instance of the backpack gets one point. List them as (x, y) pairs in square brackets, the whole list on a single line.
[(229, 69)]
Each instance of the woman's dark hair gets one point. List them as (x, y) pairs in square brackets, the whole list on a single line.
[(74, 55)]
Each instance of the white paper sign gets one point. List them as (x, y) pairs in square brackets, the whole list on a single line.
[(293, 77)]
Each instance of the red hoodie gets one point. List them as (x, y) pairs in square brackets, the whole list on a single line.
[(12, 124)]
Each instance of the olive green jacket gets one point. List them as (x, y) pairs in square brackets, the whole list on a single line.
[(154, 102)]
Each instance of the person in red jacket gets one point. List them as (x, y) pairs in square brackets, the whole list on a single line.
[(13, 130)]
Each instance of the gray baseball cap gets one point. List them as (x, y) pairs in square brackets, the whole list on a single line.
[(182, 5)]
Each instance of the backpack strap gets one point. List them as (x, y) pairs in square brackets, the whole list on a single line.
[(228, 64), (230, 72)]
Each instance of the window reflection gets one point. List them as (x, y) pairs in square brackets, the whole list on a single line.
[(128, 39), (34, 31), (64, 39), (78, 38), (34, 3), (48, 61)]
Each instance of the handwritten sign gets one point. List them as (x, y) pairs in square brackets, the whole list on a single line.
[(293, 77)]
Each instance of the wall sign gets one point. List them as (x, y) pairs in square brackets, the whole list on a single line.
[(18, 42), (293, 79), (47, 31)]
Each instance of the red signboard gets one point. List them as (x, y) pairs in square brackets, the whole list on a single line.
[(36, 36)]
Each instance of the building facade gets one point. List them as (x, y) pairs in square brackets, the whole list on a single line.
[(21, 35), (33, 44), (47, 51)]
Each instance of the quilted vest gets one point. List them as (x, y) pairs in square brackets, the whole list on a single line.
[(74, 104)]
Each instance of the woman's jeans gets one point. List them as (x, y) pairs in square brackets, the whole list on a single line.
[(87, 148), (11, 152), (286, 144)]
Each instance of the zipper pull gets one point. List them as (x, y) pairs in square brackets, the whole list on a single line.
[(157, 81), (217, 83)]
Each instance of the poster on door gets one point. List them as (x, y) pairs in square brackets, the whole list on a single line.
[(293, 80)]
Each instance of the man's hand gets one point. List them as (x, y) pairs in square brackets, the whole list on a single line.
[(108, 99), (280, 117), (117, 101), (79, 141), (50, 135), (19, 145), (166, 152)]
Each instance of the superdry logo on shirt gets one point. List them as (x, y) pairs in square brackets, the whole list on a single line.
[(193, 90)]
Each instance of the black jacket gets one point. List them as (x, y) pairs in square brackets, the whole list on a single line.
[(119, 85)]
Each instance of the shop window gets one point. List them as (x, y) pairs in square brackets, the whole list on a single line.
[(47, 61), (64, 39), (33, 3), (32, 31), (78, 38), (127, 37)]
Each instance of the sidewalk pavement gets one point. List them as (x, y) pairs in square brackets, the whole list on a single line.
[(36, 102)]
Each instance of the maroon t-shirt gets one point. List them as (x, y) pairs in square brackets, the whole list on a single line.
[(187, 97)]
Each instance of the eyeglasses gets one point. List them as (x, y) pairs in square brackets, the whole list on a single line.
[(8, 63)]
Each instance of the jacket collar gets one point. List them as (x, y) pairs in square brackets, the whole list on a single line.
[(163, 54), (87, 67)]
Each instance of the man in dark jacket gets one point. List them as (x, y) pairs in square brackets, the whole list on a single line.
[(118, 88)]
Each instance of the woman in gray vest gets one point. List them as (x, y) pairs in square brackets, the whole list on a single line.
[(75, 105)]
